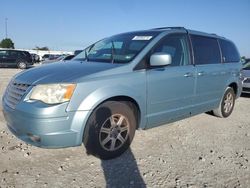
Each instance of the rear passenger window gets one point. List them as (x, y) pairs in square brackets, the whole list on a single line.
[(229, 52), (206, 50)]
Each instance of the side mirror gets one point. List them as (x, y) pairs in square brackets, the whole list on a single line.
[(160, 59)]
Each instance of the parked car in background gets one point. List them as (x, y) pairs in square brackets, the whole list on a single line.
[(246, 76), (60, 58), (46, 57), (35, 57), (15, 58), (129, 81)]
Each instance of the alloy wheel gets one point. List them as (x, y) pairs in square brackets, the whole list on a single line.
[(114, 132)]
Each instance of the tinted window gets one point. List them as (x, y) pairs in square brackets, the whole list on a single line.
[(206, 50), (3, 53), (176, 46), (13, 53), (26, 53), (229, 52)]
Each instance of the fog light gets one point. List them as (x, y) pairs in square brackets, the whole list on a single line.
[(34, 138)]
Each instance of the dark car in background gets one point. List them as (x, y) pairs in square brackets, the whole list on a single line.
[(15, 58)]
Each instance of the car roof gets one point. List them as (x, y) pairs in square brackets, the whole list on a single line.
[(167, 29)]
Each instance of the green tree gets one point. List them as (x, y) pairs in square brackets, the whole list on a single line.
[(7, 43)]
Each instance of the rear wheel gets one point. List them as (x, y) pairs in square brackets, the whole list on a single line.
[(21, 65), (226, 105), (110, 130)]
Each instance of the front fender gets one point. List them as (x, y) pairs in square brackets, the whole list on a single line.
[(97, 94), (105, 93)]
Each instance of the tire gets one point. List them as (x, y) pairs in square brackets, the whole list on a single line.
[(226, 105), (21, 65), (109, 130)]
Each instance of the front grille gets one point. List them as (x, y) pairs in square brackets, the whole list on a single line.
[(14, 93)]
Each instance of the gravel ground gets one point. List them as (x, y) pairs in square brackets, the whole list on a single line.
[(202, 151)]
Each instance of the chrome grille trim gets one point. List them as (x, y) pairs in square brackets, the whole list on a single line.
[(14, 93)]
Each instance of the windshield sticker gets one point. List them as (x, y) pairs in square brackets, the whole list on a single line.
[(142, 37)]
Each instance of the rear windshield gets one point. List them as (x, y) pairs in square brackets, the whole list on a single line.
[(27, 54), (121, 48)]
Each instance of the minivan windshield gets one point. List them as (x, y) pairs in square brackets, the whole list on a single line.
[(121, 48)]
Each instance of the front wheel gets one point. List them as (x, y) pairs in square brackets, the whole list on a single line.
[(226, 105), (110, 130)]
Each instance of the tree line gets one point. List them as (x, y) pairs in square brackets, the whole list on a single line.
[(8, 43)]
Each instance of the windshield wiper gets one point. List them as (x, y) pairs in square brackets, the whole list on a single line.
[(112, 52), (86, 53)]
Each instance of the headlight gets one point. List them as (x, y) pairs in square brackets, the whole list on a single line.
[(53, 93)]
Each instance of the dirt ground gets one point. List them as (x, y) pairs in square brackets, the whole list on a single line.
[(202, 151)]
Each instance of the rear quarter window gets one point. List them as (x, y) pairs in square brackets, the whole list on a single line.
[(206, 50), (229, 52)]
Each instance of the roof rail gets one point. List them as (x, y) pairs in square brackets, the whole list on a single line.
[(162, 28)]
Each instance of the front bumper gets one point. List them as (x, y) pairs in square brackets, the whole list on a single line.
[(49, 127)]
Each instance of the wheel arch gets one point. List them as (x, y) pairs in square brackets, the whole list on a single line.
[(132, 104), (135, 104), (234, 86)]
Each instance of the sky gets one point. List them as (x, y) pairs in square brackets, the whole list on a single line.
[(71, 25)]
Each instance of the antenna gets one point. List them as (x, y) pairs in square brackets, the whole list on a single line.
[(6, 28)]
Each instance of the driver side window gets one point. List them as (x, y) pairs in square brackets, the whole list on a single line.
[(177, 47)]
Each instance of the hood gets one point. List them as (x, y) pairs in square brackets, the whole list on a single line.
[(62, 72)]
